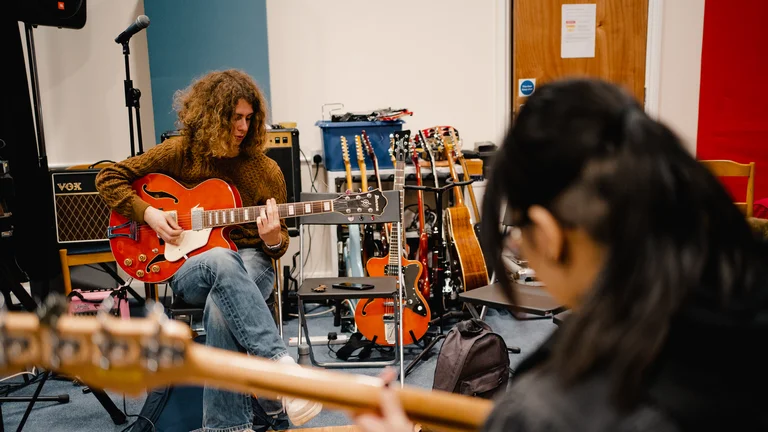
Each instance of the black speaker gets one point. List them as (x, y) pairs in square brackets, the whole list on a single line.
[(283, 148), (54, 13)]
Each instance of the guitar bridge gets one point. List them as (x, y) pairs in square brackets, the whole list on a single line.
[(131, 234)]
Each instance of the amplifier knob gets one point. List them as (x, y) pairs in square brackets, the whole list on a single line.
[(142, 257), (139, 273), (128, 262), (155, 268)]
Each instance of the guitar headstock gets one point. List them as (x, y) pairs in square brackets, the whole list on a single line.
[(103, 351), (344, 150), (400, 142), (370, 203), (369, 147), (427, 146), (359, 150), (455, 141), (414, 150), (440, 146)]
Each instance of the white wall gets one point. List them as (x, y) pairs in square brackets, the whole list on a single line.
[(81, 74), (680, 77), (438, 58)]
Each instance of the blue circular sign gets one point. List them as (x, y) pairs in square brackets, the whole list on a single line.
[(526, 87)]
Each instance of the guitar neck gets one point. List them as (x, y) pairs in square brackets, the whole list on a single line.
[(457, 190), (475, 208), (363, 175), (356, 393), (243, 215), (348, 170), (394, 258)]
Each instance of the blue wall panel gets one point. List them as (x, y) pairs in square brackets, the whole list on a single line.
[(189, 38)]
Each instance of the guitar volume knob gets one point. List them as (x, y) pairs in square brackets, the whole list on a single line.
[(139, 273), (142, 258), (128, 262), (155, 268)]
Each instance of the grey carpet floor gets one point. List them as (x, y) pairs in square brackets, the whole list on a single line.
[(84, 413)]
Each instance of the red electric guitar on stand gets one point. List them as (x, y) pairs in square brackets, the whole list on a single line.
[(423, 253), (206, 213)]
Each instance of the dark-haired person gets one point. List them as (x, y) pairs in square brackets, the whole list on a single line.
[(667, 283), (223, 134)]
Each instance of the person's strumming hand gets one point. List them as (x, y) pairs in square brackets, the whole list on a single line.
[(268, 224), (392, 418), (164, 225)]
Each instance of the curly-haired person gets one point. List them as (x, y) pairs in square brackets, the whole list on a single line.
[(222, 120)]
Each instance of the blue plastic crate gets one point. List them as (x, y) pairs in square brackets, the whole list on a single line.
[(378, 132)]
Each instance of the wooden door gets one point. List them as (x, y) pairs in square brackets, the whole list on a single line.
[(619, 44)]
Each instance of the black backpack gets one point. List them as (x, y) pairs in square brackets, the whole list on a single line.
[(473, 361)]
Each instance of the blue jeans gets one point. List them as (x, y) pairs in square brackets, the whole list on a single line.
[(233, 287)]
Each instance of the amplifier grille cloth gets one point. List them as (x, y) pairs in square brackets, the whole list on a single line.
[(81, 217)]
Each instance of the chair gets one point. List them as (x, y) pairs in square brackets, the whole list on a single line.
[(728, 168), (193, 315), (384, 287)]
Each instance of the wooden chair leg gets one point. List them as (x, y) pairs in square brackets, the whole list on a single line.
[(65, 271)]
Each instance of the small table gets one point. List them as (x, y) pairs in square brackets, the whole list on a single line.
[(532, 300), (562, 316), (383, 287)]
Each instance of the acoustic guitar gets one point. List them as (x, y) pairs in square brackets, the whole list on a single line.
[(375, 318), (469, 259), (206, 213), (132, 356)]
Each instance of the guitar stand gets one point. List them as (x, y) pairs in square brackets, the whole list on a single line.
[(440, 280)]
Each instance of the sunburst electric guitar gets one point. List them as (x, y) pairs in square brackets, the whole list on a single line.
[(206, 213), (375, 318), (132, 356)]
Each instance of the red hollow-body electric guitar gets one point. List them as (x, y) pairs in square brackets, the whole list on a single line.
[(206, 213)]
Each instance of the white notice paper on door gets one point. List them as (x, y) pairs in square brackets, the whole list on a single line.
[(578, 31)]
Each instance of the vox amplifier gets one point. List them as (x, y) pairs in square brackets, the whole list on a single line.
[(82, 217)]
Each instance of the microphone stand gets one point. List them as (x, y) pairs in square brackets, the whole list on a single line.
[(132, 96)]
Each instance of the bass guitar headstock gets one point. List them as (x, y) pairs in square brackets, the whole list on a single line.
[(104, 351)]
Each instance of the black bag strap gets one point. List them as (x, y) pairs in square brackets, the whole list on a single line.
[(355, 343)]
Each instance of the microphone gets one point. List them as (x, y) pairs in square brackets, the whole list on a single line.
[(140, 24)]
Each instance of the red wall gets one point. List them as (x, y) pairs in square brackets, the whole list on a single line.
[(733, 104)]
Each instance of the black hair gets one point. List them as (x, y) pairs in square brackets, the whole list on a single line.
[(586, 151)]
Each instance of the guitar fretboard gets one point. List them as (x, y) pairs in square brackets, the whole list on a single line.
[(242, 215), (394, 255)]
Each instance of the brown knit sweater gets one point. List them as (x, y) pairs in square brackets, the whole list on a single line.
[(257, 179)]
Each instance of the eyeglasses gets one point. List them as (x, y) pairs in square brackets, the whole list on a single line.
[(513, 238)]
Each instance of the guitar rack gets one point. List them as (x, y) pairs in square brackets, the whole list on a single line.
[(442, 269)]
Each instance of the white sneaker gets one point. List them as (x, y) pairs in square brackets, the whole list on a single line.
[(299, 411)]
